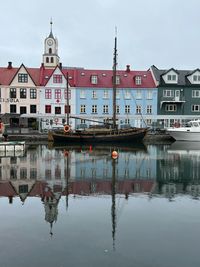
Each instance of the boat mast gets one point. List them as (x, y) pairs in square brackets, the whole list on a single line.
[(67, 98), (114, 83)]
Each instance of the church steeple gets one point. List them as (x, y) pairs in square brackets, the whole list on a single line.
[(50, 56)]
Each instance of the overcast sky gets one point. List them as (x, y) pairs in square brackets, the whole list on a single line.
[(165, 33)]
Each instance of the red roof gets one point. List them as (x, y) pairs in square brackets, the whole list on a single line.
[(79, 77)]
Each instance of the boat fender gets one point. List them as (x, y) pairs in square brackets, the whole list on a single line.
[(66, 128), (1, 127)]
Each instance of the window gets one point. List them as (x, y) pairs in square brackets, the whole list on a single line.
[(22, 110), (171, 108), (67, 109), (69, 94), (13, 93), (48, 93), (127, 94), (50, 50), (105, 108), (127, 121), (94, 108), (149, 109), (13, 173), (195, 108), (57, 93), (23, 188), (32, 108), (149, 122), (13, 109), (94, 79), (196, 93), (57, 78), (117, 80), (22, 77), (105, 94), (47, 60), (33, 173), (196, 78), (117, 94), (168, 93), (0, 108), (82, 109), (47, 108), (94, 94), (127, 109), (149, 94), (23, 175), (138, 80), (0, 92), (138, 109), (33, 94), (171, 77), (138, 94), (57, 110), (117, 109), (52, 60), (82, 94), (22, 92)]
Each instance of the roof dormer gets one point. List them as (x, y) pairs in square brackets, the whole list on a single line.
[(170, 77), (194, 77)]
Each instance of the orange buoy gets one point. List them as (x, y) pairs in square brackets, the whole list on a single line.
[(114, 154)]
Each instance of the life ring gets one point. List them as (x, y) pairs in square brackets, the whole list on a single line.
[(56, 120), (66, 128)]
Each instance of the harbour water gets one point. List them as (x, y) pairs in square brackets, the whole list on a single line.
[(77, 206)]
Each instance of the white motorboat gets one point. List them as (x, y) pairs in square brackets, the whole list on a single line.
[(190, 132)]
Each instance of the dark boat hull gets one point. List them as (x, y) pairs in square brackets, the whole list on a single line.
[(121, 136)]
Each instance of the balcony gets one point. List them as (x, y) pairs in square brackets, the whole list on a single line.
[(176, 99)]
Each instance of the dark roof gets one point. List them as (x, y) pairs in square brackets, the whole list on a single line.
[(182, 75)]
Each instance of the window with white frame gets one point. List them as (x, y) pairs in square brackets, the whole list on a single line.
[(149, 94), (105, 94), (149, 109), (171, 107), (82, 109), (138, 80), (94, 108), (171, 77), (69, 94), (138, 94), (195, 93), (138, 109), (195, 108), (33, 94), (127, 109), (117, 109), (48, 94), (149, 121), (94, 94), (105, 109), (57, 93), (117, 79), (127, 121), (94, 79), (196, 78), (117, 94), (127, 94), (82, 94), (168, 93)]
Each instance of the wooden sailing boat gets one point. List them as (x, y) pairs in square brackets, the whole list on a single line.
[(110, 133)]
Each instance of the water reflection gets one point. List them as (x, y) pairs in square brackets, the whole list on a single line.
[(50, 173)]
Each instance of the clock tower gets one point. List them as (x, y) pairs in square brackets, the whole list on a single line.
[(50, 56)]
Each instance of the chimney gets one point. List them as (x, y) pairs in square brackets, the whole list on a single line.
[(128, 68), (60, 65), (9, 65)]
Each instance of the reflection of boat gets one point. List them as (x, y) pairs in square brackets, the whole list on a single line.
[(184, 147), (108, 133), (191, 132)]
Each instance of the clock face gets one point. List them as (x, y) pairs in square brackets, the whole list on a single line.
[(49, 42)]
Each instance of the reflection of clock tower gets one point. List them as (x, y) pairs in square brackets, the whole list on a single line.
[(50, 56)]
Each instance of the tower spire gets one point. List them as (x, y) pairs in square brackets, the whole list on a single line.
[(51, 33)]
